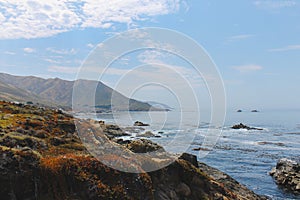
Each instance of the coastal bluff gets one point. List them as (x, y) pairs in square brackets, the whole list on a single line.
[(42, 157)]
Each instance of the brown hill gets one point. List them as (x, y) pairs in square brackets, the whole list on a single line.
[(60, 92)]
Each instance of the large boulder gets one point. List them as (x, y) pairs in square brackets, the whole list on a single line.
[(287, 174), (143, 146)]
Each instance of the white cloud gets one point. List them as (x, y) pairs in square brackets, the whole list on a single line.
[(34, 19), (247, 68), (286, 48), (2, 18), (274, 4), (62, 51), (90, 45), (63, 69), (29, 50)]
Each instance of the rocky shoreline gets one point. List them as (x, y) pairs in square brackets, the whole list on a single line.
[(43, 157), (287, 175)]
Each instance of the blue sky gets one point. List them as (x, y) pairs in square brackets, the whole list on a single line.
[(255, 44)]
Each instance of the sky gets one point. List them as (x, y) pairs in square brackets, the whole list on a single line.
[(255, 44)]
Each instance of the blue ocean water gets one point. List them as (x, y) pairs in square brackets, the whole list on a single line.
[(247, 156)]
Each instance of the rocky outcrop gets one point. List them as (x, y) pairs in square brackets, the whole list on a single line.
[(287, 175), (138, 123), (147, 134), (243, 126), (190, 158), (239, 190), (42, 158), (112, 131)]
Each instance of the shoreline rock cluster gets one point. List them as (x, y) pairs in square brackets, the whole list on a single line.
[(287, 175), (43, 157)]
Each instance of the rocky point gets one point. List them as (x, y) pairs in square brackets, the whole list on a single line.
[(43, 156)]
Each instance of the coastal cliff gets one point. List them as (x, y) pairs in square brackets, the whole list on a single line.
[(42, 157)]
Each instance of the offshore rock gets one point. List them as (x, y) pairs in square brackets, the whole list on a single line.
[(243, 126), (138, 123)]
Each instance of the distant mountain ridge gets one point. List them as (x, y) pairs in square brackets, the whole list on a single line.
[(60, 92), (160, 105)]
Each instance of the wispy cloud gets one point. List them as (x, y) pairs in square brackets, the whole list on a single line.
[(239, 37), (9, 53), (152, 56), (63, 69), (247, 68), (53, 61), (286, 48), (29, 50), (274, 4), (36, 19), (62, 51)]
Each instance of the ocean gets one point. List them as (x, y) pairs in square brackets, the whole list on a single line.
[(245, 155)]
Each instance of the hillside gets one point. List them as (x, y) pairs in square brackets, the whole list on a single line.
[(9, 92), (58, 91)]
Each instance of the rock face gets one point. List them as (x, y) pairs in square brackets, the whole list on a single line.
[(287, 175), (243, 126), (42, 158)]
